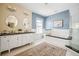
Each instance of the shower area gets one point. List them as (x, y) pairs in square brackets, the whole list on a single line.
[(74, 43), (74, 33)]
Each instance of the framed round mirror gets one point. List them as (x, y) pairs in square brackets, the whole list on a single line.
[(11, 21)]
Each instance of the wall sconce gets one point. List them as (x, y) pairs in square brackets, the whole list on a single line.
[(12, 9)]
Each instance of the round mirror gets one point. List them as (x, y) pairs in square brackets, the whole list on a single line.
[(11, 21)]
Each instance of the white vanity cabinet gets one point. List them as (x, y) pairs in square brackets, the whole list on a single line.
[(8, 42)]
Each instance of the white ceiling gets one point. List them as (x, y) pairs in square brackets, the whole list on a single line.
[(46, 9)]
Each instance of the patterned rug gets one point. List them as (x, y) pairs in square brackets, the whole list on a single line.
[(44, 49)]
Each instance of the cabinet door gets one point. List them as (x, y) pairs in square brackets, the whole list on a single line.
[(4, 43), (19, 39), (36, 37), (24, 39), (27, 38), (30, 38), (13, 41)]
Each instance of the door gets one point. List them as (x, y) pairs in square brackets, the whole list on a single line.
[(39, 25)]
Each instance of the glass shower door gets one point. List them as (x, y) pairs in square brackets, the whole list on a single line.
[(75, 37)]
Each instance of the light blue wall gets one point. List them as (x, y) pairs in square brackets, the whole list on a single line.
[(34, 17), (65, 16), (48, 20)]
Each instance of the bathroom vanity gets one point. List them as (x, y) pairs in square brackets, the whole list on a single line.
[(10, 41)]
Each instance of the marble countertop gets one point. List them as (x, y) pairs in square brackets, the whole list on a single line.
[(4, 34), (69, 38)]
